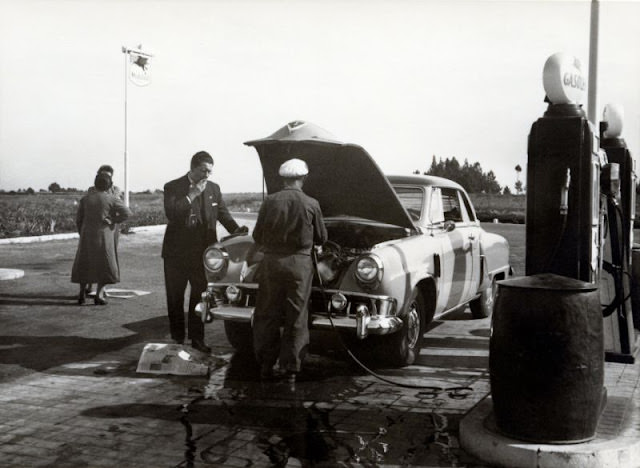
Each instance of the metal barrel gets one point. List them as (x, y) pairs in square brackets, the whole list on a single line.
[(635, 285), (546, 359)]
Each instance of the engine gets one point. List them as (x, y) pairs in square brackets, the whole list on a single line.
[(347, 241), (333, 260)]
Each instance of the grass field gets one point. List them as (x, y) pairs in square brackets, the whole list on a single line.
[(49, 213)]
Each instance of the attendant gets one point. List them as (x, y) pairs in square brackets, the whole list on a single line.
[(289, 224), (96, 259), (193, 206)]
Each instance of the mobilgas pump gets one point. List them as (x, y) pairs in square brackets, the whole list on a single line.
[(580, 202), (616, 281), (564, 215)]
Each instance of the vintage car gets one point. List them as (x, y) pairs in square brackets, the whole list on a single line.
[(402, 250)]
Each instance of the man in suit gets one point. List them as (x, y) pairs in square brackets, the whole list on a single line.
[(193, 206)]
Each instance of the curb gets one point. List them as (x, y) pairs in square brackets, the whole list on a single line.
[(71, 235), (75, 235), (477, 438)]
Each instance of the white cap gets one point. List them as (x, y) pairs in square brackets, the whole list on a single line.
[(293, 168)]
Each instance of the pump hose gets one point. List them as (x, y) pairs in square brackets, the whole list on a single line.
[(430, 392), (615, 270)]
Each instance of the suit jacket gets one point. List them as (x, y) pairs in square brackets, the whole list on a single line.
[(181, 240)]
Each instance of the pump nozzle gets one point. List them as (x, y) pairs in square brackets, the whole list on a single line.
[(564, 194)]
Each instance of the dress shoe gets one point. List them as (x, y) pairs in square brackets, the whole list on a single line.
[(180, 341), (200, 346), (81, 298), (100, 301)]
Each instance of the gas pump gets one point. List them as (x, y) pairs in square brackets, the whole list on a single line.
[(564, 214), (617, 282), (581, 201)]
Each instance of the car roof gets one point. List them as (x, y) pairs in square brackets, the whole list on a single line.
[(425, 180)]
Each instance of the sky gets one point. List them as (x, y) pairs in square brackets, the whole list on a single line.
[(405, 79)]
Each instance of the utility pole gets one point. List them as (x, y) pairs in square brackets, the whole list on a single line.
[(593, 64)]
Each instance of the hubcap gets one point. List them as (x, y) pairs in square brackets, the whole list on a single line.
[(413, 325), (491, 297)]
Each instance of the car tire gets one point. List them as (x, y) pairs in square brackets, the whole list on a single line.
[(482, 307), (240, 336), (404, 346)]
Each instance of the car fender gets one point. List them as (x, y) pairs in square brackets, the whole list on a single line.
[(494, 252), (406, 263)]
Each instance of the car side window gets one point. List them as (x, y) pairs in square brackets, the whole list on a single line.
[(467, 205), (463, 208), (451, 205), (436, 213)]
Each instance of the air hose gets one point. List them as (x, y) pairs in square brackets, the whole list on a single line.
[(429, 391)]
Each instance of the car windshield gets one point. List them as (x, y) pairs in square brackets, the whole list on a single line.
[(412, 199)]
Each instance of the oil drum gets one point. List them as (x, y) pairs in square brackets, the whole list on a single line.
[(546, 359), (635, 284)]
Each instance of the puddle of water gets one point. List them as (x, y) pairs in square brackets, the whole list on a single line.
[(300, 424)]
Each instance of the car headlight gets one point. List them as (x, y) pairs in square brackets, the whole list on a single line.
[(216, 261), (369, 270)]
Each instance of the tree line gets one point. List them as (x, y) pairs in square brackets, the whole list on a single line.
[(470, 176)]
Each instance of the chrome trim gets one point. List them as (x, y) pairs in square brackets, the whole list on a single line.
[(233, 313), (362, 320), (375, 325)]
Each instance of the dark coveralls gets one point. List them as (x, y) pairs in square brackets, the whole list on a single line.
[(288, 225)]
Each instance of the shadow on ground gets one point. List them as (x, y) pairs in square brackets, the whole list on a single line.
[(41, 353)]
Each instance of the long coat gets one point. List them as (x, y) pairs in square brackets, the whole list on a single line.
[(97, 255)]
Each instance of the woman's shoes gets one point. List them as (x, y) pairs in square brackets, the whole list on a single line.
[(81, 298), (100, 301)]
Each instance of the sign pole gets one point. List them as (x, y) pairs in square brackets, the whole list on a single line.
[(593, 63), (126, 156), (140, 77)]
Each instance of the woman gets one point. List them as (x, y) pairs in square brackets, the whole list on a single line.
[(97, 257)]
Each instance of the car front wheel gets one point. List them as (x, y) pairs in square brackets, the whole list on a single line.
[(404, 346)]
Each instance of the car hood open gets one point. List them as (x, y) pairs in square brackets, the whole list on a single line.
[(342, 177)]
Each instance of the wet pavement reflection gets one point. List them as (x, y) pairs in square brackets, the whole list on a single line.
[(334, 415)]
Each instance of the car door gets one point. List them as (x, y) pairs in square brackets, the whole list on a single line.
[(470, 231), (444, 213), (456, 259)]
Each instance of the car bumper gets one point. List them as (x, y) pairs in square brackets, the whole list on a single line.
[(366, 314)]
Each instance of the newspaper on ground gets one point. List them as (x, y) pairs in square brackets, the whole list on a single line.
[(175, 359)]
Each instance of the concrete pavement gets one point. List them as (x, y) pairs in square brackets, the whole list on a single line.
[(71, 396)]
